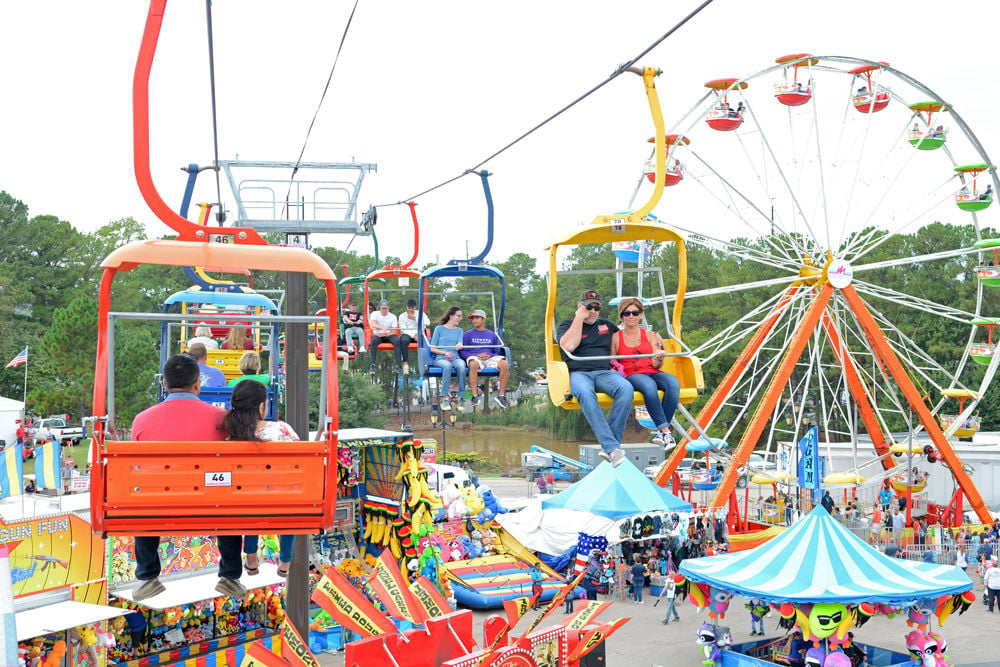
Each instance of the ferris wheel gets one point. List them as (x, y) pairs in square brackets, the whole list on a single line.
[(809, 170)]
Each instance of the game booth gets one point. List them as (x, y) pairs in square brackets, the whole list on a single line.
[(825, 582)]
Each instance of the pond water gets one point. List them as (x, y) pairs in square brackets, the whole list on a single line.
[(502, 446)]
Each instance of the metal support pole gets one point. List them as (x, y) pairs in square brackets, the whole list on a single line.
[(297, 416)]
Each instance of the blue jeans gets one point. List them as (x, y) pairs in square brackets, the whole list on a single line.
[(672, 609), (637, 587), (285, 544), (457, 366), (647, 384), (754, 622), (584, 384)]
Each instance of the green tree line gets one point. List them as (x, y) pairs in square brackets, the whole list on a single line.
[(50, 271)]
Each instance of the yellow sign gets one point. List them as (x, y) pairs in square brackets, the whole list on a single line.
[(52, 553)]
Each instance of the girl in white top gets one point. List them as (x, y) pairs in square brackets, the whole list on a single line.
[(245, 421)]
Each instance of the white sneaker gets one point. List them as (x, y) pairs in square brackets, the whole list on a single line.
[(604, 455), (406, 368), (668, 440), (617, 457), (444, 404)]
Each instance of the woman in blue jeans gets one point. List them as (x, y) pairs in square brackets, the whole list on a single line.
[(644, 373), (245, 421), (446, 341)]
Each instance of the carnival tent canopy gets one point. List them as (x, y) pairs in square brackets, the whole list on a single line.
[(616, 493), (818, 559)]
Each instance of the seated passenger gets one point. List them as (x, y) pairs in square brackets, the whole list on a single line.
[(203, 335), (410, 323), (644, 374), (210, 377), (183, 418), (482, 348), (916, 128), (354, 327), (862, 91), (384, 327), (588, 335), (250, 367), (446, 343), (245, 422), (987, 193), (938, 132), (237, 340)]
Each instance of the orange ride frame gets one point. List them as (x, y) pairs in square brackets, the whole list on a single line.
[(816, 314), (719, 396)]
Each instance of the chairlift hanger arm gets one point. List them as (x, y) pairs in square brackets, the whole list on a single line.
[(186, 230), (478, 259)]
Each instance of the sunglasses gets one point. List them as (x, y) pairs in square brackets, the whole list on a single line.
[(631, 313), (594, 306)]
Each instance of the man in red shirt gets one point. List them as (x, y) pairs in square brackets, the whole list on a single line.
[(182, 417)]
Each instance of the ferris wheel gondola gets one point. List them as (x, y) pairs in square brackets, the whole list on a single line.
[(791, 92), (723, 116), (871, 97)]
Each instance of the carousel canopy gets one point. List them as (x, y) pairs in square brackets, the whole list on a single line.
[(818, 559), (617, 493)]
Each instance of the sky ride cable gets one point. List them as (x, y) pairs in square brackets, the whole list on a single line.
[(319, 106), (621, 69), (220, 215)]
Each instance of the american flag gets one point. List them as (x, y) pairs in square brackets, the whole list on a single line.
[(21, 358), (585, 545)]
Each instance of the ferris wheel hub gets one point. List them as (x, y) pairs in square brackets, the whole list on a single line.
[(839, 273)]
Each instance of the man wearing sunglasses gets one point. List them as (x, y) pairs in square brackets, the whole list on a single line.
[(589, 335)]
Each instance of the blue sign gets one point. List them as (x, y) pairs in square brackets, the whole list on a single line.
[(811, 466)]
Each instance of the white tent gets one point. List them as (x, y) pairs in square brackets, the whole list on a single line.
[(11, 412)]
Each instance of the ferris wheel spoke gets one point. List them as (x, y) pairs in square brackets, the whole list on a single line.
[(915, 259), (740, 250), (734, 207), (784, 177), (917, 303)]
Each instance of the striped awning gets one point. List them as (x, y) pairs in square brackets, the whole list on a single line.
[(819, 559)]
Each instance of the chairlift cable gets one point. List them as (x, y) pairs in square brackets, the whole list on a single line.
[(220, 214), (621, 69), (322, 97)]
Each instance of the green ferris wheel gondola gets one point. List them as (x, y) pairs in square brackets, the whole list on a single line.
[(973, 200), (931, 138)]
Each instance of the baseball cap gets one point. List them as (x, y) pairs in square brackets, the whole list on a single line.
[(590, 296), (478, 312), (384, 303)]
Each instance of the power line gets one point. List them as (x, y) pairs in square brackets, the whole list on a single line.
[(329, 78), (621, 69)]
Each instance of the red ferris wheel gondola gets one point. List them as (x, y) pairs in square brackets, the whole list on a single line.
[(793, 93), (674, 173), (869, 98), (723, 117)]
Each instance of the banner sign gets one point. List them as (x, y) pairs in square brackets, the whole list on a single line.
[(427, 594), (595, 637), (590, 611), (391, 589), (335, 594)]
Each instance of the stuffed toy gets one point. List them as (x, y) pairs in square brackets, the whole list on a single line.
[(925, 649), (709, 647), (492, 505)]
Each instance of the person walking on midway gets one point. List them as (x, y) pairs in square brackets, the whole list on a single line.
[(589, 335), (537, 576), (670, 592), (991, 581), (181, 417), (638, 580)]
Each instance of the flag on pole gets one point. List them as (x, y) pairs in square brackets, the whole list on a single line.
[(12, 472), (585, 544), (48, 466), (21, 358)]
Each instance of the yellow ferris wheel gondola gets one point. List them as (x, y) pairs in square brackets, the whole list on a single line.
[(605, 229)]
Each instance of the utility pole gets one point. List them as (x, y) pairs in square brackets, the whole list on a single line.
[(297, 416)]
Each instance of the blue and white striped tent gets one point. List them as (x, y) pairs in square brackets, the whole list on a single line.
[(818, 559)]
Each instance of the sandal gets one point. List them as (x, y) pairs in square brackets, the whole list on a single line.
[(255, 569), (283, 569)]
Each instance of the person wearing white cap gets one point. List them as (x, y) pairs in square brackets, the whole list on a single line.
[(385, 328), (482, 348)]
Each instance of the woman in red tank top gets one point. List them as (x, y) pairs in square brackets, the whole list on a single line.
[(643, 372)]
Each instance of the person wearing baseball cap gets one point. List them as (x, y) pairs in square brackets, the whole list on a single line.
[(482, 348), (385, 329), (589, 335)]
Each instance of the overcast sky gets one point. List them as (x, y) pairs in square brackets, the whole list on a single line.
[(424, 90)]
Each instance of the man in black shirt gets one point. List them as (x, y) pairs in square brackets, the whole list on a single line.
[(589, 335)]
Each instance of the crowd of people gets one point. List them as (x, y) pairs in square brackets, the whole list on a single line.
[(459, 353)]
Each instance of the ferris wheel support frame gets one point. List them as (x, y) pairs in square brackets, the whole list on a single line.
[(858, 393), (891, 362), (772, 395), (719, 396)]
